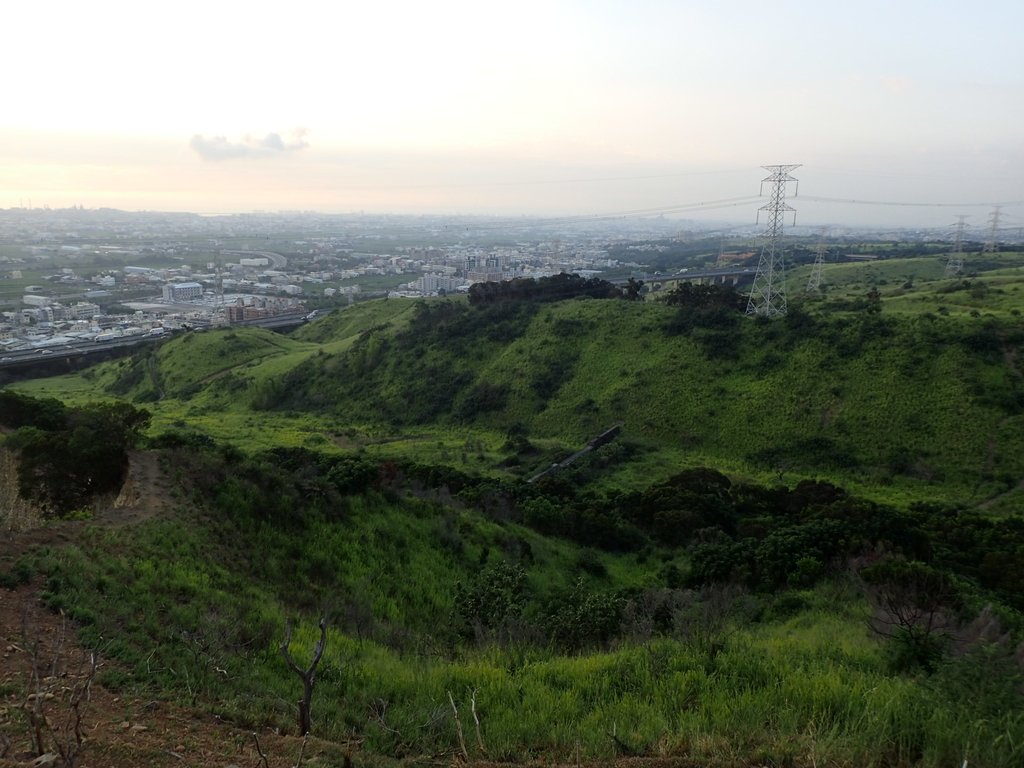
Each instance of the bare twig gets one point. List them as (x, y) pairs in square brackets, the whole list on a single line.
[(622, 746), (53, 683), (302, 751), (458, 727), (33, 705), (476, 722), (81, 690), (437, 716), (379, 708), (259, 751)]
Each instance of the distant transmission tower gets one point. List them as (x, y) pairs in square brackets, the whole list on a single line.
[(814, 281), (768, 295), (993, 231), (955, 262)]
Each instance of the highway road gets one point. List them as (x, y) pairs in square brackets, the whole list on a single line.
[(14, 358), (21, 357)]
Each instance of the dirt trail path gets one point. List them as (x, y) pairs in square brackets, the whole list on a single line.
[(40, 653), (120, 731), (144, 495), (992, 500)]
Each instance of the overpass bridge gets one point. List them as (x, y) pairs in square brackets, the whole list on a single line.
[(58, 359), (723, 276), (64, 358)]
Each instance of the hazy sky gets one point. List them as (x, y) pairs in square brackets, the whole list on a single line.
[(554, 107)]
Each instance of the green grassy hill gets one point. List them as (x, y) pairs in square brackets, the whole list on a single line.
[(906, 402), (747, 642), (369, 469), (896, 404)]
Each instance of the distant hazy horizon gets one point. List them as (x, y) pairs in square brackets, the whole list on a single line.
[(537, 108)]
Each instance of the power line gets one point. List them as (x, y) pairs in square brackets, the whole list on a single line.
[(542, 182), (852, 201), (708, 205), (508, 223)]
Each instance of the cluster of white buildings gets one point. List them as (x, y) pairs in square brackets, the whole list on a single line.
[(54, 324), (452, 269), (433, 284), (47, 319)]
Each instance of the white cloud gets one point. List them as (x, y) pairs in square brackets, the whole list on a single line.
[(217, 148)]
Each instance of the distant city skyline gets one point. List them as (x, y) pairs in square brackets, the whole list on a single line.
[(537, 108)]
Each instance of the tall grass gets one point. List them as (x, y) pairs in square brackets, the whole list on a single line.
[(176, 602), (846, 393)]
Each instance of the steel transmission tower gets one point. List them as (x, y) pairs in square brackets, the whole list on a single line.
[(993, 230), (814, 281), (955, 262), (768, 295)]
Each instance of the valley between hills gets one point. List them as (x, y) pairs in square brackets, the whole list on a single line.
[(801, 544)]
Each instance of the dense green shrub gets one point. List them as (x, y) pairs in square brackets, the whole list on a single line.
[(555, 288), (64, 468), (584, 618), (18, 410), (492, 600)]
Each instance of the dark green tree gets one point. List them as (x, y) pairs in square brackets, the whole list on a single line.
[(62, 470)]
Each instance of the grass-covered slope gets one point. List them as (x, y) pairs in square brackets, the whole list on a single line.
[(338, 327), (618, 608), (923, 400), (194, 362), (908, 395), (567, 653)]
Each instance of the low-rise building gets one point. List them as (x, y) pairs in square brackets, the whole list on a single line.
[(82, 310), (182, 291)]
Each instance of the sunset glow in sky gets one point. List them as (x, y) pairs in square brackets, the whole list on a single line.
[(556, 107)]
